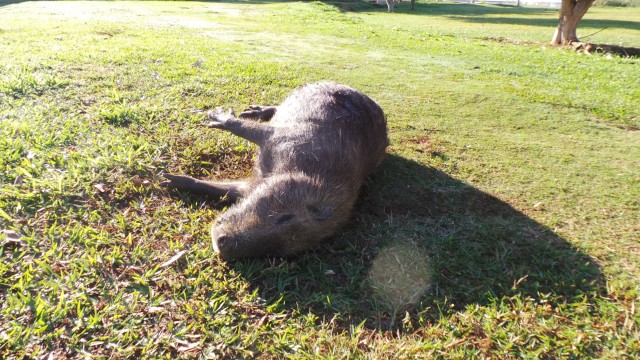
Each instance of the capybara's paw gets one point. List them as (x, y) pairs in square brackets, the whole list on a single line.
[(177, 181), (257, 112), (219, 117)]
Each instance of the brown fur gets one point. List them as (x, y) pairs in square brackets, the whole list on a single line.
[(316, 151)]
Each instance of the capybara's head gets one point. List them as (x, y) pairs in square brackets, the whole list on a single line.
[(283, 215)]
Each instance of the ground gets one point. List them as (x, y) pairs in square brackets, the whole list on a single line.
[(503, 223)]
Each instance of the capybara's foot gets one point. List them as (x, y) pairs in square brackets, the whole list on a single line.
[(259, 113)]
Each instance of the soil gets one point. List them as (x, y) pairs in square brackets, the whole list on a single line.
[(590, 48), (586, 47)]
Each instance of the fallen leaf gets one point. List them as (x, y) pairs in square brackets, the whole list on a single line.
[(139, 182), (99, 187), (264, 320), (11, 235), (175, 258), (155, 309), (188, 347)]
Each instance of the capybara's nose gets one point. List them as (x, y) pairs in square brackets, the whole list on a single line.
[(226, 247), (223, 240)]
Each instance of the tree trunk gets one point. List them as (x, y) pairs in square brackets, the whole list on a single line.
[(390, 5), (571, 12)]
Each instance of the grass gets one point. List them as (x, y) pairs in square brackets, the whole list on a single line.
[(503, 224), (619, 3)]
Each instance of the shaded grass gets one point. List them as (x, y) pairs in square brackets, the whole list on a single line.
[(507, 169)]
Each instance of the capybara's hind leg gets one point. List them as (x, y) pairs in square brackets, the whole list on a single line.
[(232, 190)]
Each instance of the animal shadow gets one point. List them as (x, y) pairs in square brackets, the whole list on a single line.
[(474, 247)]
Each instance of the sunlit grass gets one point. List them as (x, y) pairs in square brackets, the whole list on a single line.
[(513, 174)]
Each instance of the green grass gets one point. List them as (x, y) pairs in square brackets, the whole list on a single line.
[(503, 224), (618, 3)]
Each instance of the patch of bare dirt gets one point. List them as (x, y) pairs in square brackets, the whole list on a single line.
[(584, 47), (589, 48), (502, 39)]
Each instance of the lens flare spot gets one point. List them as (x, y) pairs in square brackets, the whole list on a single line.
[(400, 275)]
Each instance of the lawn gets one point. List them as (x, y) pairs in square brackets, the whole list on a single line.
[(503, 224)]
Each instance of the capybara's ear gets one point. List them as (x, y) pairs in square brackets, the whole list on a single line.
[(320, 212)]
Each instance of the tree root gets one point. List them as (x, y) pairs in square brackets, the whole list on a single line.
[(589, 48)]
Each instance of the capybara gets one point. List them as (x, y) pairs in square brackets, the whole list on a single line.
[(315, 151)]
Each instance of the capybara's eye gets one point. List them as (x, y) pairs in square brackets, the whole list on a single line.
[(283, 219)]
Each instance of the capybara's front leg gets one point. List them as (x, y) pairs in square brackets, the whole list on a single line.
[(257, 133), (259, 113)]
